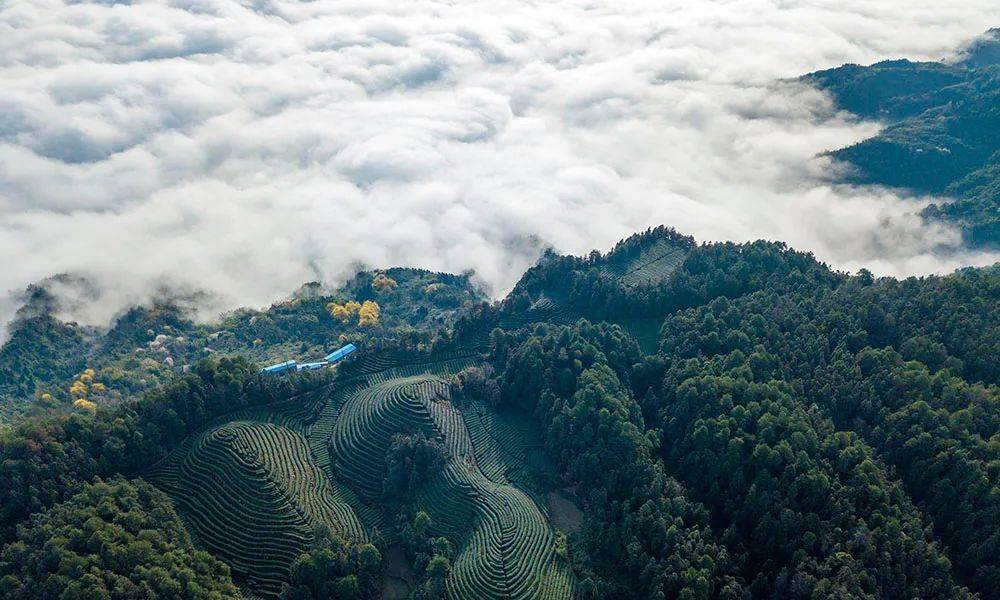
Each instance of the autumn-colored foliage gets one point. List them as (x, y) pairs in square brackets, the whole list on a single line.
[(383, 283), (369, 314)]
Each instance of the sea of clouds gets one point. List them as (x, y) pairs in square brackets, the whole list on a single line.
[(245, 147)]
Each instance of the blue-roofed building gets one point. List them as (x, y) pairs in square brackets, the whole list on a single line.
[(340, 353), (312, 366), (288, 365)]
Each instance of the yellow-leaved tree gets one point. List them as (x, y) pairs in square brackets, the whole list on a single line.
[(78, 389), (84, 404), (383, 283), (369, 314), (344, 312), (337, 311), (83, 386)]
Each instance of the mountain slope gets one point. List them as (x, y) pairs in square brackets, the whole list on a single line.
[(146, 346), (942, 132), (791, 432)]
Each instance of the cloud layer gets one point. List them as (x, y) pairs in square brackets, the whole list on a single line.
[(243, 148)]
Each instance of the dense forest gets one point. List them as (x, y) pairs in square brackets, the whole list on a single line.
[(111, 540), (839, 433), (793, 432), (942, 132)]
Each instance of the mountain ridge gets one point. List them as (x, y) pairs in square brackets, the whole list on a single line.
[(942, 133)]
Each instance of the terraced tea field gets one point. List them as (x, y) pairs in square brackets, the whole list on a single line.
[(649, 265), (645, 331), (253, 486), (543, 310), (653, 264), (505, 541)]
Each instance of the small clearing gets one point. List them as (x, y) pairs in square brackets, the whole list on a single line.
[(398, 577), (566, 516)]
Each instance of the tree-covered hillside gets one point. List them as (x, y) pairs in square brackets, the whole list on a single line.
[(48, 364), (790, 432), (942, 132), (839, 432), (111, 540)]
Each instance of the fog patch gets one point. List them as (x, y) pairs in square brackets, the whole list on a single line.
[(241, 149)]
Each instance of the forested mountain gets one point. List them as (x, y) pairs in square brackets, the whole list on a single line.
[(942, 132), (666, 420)]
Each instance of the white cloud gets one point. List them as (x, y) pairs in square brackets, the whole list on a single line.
[(245, 147)]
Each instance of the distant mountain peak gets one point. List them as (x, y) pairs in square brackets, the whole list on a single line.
[(983, 52)]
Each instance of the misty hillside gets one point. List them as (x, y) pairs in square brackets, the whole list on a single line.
[(667, 419), (942, 135), (147, 346)]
